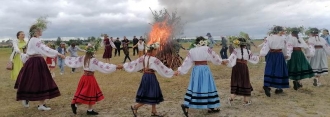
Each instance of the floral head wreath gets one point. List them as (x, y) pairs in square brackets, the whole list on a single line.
[(153, 46), (90, 50), (239, 41), (202, 42), (41, 24)]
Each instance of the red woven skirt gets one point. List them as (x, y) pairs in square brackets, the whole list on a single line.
[(88, 91), (34, 81)]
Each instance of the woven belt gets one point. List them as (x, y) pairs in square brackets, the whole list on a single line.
[(318, 46), (241, 61), (88, 73), (35, 55), (275, 50), (297, 48), (200, 62), (149, 71)]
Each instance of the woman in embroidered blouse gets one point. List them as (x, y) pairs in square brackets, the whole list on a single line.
[(88, 91), (35, 82), (202, 91), (298, 66), (240, 78), (319, 49), (149, 91), (73, 49), (276, 71), (18, 45)]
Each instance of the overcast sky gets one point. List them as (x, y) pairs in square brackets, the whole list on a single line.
[(117, 18)]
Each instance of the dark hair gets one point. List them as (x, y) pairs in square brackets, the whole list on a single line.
[(73, 44), (243, 44), (33, 30), (18, 33), (198, 39), (326, 30), (295, 34), (277, 29)]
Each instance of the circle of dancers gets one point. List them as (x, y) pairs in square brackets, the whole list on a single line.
[(285, 60)]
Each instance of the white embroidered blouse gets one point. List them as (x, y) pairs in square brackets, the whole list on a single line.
[(94, 64), (317, 41), (237, 54), (275, 42), (202, 53), (37, 47), (154, 64)]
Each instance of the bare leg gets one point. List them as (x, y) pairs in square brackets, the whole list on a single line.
[(153, 110)]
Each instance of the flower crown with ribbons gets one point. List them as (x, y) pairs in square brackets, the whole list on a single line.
[(90, 50)]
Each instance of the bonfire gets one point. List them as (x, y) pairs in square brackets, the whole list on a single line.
[(164, 29)]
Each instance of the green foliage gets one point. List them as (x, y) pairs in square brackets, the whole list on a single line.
[(58, 41), (97, 43), (299, 29)]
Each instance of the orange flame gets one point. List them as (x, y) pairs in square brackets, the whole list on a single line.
[(160, 32)]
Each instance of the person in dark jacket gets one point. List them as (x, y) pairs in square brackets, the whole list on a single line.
[(117, 44), (135, 49)]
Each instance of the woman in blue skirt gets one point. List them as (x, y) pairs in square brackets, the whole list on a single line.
[(202, 92), (276, 71), (149, 91)]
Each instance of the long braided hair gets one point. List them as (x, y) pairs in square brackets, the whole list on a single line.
[(295, 34), (243, 45)]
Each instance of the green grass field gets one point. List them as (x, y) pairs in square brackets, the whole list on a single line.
[(119, 89)]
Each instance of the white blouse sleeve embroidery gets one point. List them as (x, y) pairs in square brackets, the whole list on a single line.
[(112, 44), (254, 59), (289, 48), (187, 64), (310, 52), (161, 69), (45, 50), (232, 59), (24, 57), (74, 62), (265, 49), (214, 58), (103, 67), (135, 65)]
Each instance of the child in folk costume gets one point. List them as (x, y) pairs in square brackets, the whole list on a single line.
[(51, 62), (88, 91), (202, 91), (149, 91), (276, 71), (240, 79), (298, 66), (34, 82), (319, 49)]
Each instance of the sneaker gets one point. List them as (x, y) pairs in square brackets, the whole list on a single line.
[(92, 112), (26, 103), (43, 108), (247, 103), (229, 100), (74, 108)]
